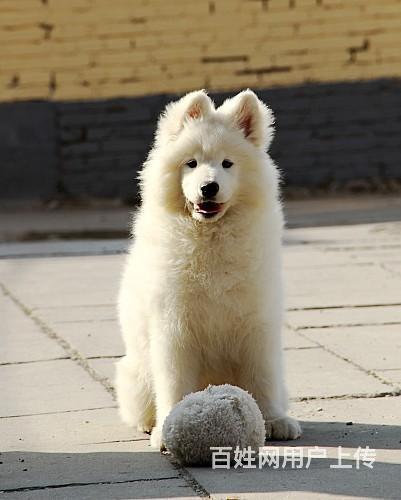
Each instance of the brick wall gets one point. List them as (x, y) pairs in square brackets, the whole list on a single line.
[(91, 49), (82, 83), (328, 137)]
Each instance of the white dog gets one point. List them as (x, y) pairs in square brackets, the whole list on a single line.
[(201, 295)]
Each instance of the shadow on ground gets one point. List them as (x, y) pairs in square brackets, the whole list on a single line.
[(117, 474)]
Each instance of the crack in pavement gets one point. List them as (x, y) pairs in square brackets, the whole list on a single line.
[(338, 325), (58, 412), (373, 395), (389, 246), (117, 441), (73, 306), (117, 356), (93, 483), (100, 320), (343, 306), (8, 363), (303, 348)]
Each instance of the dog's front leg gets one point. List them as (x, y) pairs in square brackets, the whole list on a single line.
[(271, 401), (175, 371), (263, 377)]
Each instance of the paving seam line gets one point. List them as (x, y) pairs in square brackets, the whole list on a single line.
[(343, 306), (372, 395), (74, 485), (12, 363), (57, 253), (76, 356), (373, 374), (74, 410), (346, 325)]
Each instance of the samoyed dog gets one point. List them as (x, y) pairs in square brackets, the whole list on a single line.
[(201, 295)]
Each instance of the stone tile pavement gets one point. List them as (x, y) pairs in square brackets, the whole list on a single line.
[(60, 436)]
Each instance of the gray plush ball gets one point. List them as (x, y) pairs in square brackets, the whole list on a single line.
[(222, 415)]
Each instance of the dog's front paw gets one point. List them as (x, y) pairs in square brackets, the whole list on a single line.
[(156, 439), (145, 428), (284, 428)]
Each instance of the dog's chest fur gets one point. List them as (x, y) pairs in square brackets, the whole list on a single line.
[(217, 270)]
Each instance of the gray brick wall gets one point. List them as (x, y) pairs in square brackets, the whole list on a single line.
[(103, 144), (329, 136), (28, 151)]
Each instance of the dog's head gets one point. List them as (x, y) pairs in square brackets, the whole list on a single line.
[(209, 159)]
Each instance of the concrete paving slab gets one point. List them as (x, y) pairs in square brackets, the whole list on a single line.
[(66, 442), (292, 340), (298, 255), (354, 245), (105, 367), (317, 482), (80, 431), (92, 338), (375, 423), (344, 316), (48, 386), (26, 223), (394, 267), (317, 373), (361, 236), (92, 330), (23, 469), (158, 488), (68, 314), (302, 366), (393, 376), (52, 248), (352, 422), (307, 256), (384, 340), (78, 448), (341, 286), (21, 338), (37, 223), (61, 281), (343, 210)]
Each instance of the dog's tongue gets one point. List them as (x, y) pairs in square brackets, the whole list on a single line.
[(208, 207)]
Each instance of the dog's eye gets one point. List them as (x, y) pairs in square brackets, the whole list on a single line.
[(227, 163), (191, 163)]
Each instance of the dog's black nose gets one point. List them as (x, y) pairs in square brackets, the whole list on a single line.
[(210, 189)]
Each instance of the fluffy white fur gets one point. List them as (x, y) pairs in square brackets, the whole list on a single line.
[(221, 415), (201, 298)]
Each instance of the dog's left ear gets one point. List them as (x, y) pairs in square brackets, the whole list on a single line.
[(196, 105), (251, 116)]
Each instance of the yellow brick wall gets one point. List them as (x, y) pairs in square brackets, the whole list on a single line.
[(79, 49)]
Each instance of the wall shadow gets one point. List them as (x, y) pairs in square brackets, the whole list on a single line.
[(334, 136)]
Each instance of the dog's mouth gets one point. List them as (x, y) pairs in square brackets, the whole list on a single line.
[(208, 209)]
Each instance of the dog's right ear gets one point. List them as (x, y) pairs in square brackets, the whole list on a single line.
[(251, 116), (196, 105)]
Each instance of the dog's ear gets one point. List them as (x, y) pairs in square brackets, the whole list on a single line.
[(193, 106), (251, 116), (196, 105)]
